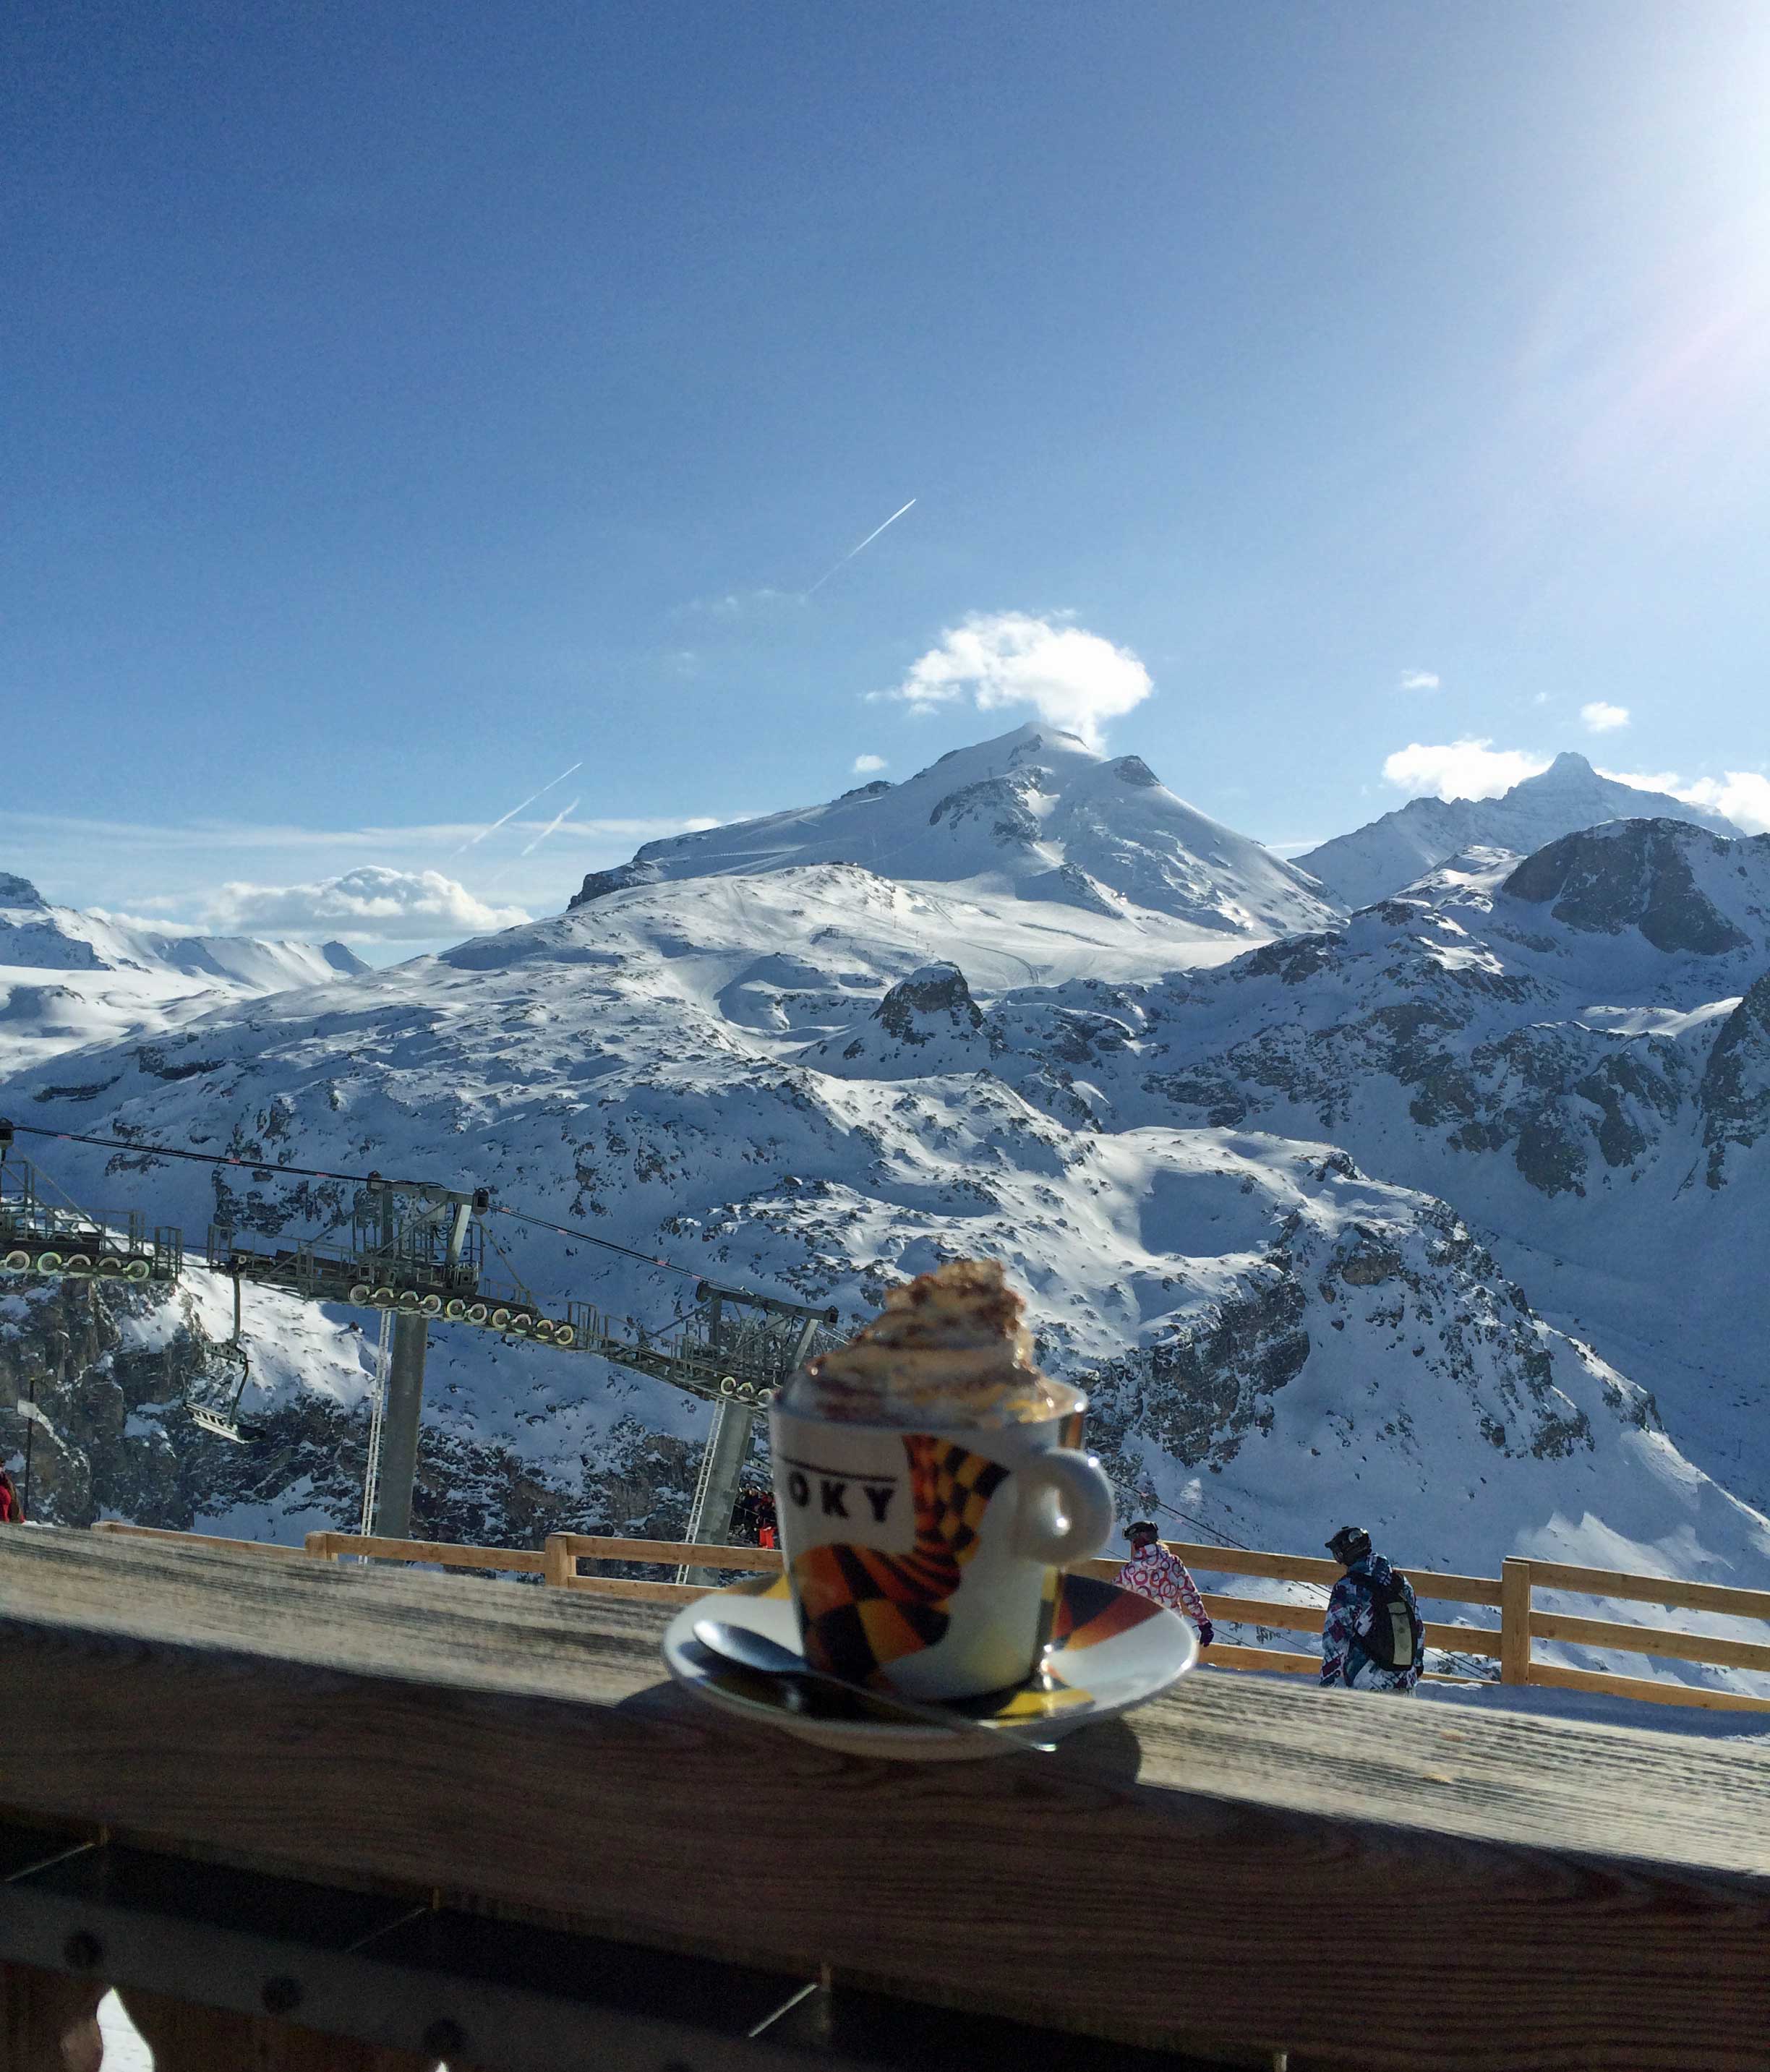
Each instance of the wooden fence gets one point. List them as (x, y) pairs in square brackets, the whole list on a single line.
[(1512, 1593)]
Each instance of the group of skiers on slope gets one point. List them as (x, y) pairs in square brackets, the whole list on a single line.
[(1372, 1639)]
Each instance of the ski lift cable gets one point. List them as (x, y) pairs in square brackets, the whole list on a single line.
[(588, 1237), (1224, 1538), (508, 1263), (196, 1157), (363, 1179), (318, 1173)]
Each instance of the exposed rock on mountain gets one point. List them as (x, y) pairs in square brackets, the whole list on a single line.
[(1388, 855), (1733, 1098), (106, 1372), (1636, 874)]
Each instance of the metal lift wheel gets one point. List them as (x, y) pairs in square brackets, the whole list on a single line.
[(455, 1309), (109, 1266), (431, 1306), (765, 1397), (137, 1269), (49, 1262), (383, 1298), (564, 1335), (542, 1332), (521, 1321), (409, 1299), (77, 1262), (17, 1262), (359, 1294), (728, 1385), (500, 1318), (476, 1313)]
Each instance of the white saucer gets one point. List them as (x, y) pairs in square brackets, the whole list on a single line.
[(1113, 1650)]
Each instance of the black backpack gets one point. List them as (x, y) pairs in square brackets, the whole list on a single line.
[(1389, 1643)]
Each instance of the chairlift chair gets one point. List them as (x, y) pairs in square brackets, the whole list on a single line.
[(214, 1400)]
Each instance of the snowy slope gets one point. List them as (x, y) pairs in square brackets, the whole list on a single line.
[(1577, 1055), (68, 978), (1036, 815), (1380, 859), (1272, 1337)]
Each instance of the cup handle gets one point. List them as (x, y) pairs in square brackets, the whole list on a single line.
[(1084, 1495)]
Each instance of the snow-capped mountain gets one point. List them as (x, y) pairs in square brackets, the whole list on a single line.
[(814, 1079), (110, 980), (1034, 815), (1575, 1052), (1389, 853)]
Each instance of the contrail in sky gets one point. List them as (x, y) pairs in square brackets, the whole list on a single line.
[(849, 557), (528, 802), (551, 825)]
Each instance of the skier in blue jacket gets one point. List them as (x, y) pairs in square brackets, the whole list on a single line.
[(1373, 1637)]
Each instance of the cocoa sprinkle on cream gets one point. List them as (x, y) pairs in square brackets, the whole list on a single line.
[(949, 1347)]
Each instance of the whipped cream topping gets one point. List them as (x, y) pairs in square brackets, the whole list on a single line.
[(949, 1347)]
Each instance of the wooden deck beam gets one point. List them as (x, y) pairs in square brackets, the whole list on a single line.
[(1183, 1878)]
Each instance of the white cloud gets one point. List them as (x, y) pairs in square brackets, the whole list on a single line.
[(1465, 769), (372, 903), (1601, 718), (741, 603), (157, 925), (1420, 680), (1742, 797), (1072, 678), (865, 765), (1541, 698)]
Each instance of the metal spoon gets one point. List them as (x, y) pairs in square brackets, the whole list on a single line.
[(747, 1650)]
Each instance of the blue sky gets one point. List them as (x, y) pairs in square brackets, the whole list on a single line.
[(403, 405)]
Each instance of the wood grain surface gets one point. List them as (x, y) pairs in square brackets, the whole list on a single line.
[(1559, 1895)]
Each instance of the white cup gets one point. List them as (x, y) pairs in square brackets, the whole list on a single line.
[(927, 1560)]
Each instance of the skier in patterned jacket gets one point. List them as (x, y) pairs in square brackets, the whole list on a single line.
[(1152, 1573), (1354, 1654)]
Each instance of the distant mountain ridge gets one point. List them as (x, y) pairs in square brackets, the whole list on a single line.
[(1036, 815), (111, 978), (1383, 857)]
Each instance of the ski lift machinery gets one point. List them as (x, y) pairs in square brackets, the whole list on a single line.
[(416, 1251)]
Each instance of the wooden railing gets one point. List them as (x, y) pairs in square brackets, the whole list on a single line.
[(494, 1839), (1509, 1643), (1522, 1623)]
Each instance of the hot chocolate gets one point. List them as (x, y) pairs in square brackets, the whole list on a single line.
[(950, 1347)]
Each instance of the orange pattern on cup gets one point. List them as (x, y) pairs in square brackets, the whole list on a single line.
[(861, 1609)]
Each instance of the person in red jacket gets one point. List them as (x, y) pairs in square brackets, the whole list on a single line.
[(1152, 1573), (12, 1512)]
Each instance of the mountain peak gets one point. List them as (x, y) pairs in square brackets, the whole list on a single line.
[(18, 891), (1377, 861), (1035, 814), (1570, 764)]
